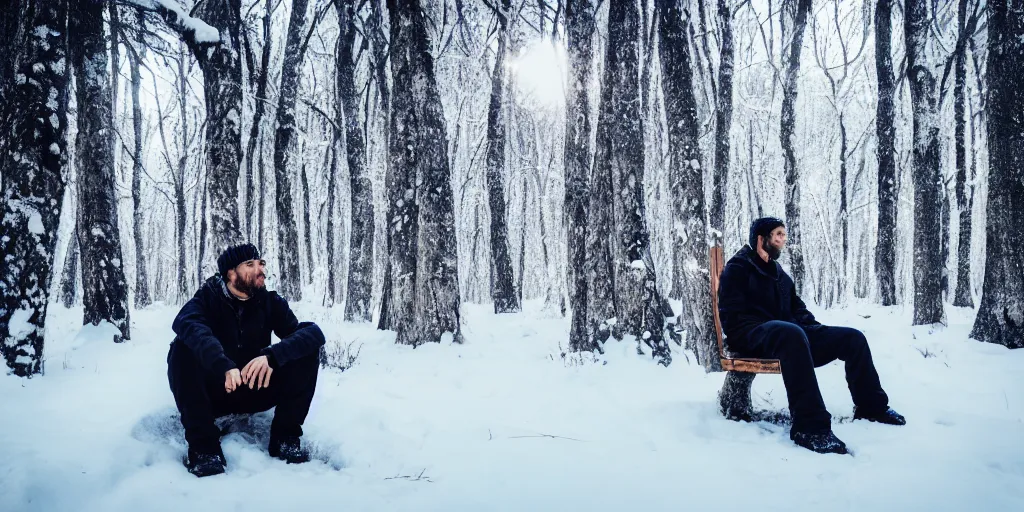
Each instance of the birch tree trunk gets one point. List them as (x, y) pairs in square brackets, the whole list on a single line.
[(723, 123), (32, 164), (579, 28), (885, 250), (503, 292), (1000, 317), (104, 288), (288, 254), (135, 55), (962, 296), (686, 184), (624, 298), (786, 133), (928, 262), (425, 292), (359, 292)]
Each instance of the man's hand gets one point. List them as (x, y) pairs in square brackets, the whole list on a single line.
[(232, 379), (257, 373)]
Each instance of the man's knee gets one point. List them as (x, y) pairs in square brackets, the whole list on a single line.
[(789, 336)]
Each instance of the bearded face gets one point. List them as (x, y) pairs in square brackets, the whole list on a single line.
[(250, 277), (773, 252)]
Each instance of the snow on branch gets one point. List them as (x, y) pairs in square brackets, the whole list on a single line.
[(174, 14)]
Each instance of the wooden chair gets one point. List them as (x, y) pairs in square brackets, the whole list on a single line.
[(734, 398)]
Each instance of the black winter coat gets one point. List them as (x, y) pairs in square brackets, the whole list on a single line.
[(752, 292), (224, 332)]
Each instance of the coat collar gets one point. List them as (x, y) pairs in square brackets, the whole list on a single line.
[(749, 254)]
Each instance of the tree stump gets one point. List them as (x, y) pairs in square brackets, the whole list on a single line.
[(734, 397)]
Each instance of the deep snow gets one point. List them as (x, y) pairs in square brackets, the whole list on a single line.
[(504, 423)]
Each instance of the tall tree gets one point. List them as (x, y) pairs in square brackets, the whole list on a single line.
[(32, 163), (287, 233), (358, 306), (425, 289), (928, 262), (503, 292), (104, 288), (964, 197), (622, 294), (723, 121), (787, 127), (885, 250), (262, 73), (579, 28), (135, 55), (686, 182), (1001, 312)]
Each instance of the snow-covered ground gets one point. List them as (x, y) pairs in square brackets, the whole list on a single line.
[(504, 423)]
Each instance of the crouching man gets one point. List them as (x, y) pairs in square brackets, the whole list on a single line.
[(222, 362)]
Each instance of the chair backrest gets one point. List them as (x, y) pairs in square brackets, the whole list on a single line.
[(717, 264)]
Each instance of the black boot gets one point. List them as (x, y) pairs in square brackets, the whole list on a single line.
[(288, 449), (888, 417), (205, 460), (825, 442)]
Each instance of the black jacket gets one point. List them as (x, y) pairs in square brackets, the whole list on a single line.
[(224, 332), (752, 292)]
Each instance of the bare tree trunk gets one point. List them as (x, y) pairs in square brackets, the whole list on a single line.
[(425, 291), (844, 214), (379, 51), (794, 227), (624, 298), (579, 27), (105, 290), (928, 264), (723, 123), (503, 292), (1000, 317), (260, 107), (885, 250), (135, 55), (202, 233), (686, 183), (359, 292), (69, 277), (962, 295), (287, 233), (222, 77), (33, 168)]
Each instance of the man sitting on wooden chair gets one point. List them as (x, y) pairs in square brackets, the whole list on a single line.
[(763, 317)]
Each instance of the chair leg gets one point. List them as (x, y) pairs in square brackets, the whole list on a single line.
[(734, 397)]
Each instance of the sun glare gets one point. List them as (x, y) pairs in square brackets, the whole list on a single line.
[(539, 72)]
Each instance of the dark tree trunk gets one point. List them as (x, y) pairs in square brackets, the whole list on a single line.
[(686, 184), (135, 55), (69, 277), (844, 214), (723, 123), (579, 28), (787, 127), (332, 187), (962, 296), (885, 250), (104, 288), (290, 286), (359, 291), (1000, 317), (222, 79), (259, 108), (380, 50), (425, 291), (202, 234), (33, 169), (927, 262), (307, 230), (624, 298), (503, 292)]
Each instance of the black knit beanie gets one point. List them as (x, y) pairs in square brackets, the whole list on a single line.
[(763, 227), (236, 255)]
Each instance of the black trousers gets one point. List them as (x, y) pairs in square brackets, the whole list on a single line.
[(801, 350), (201, 397)]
